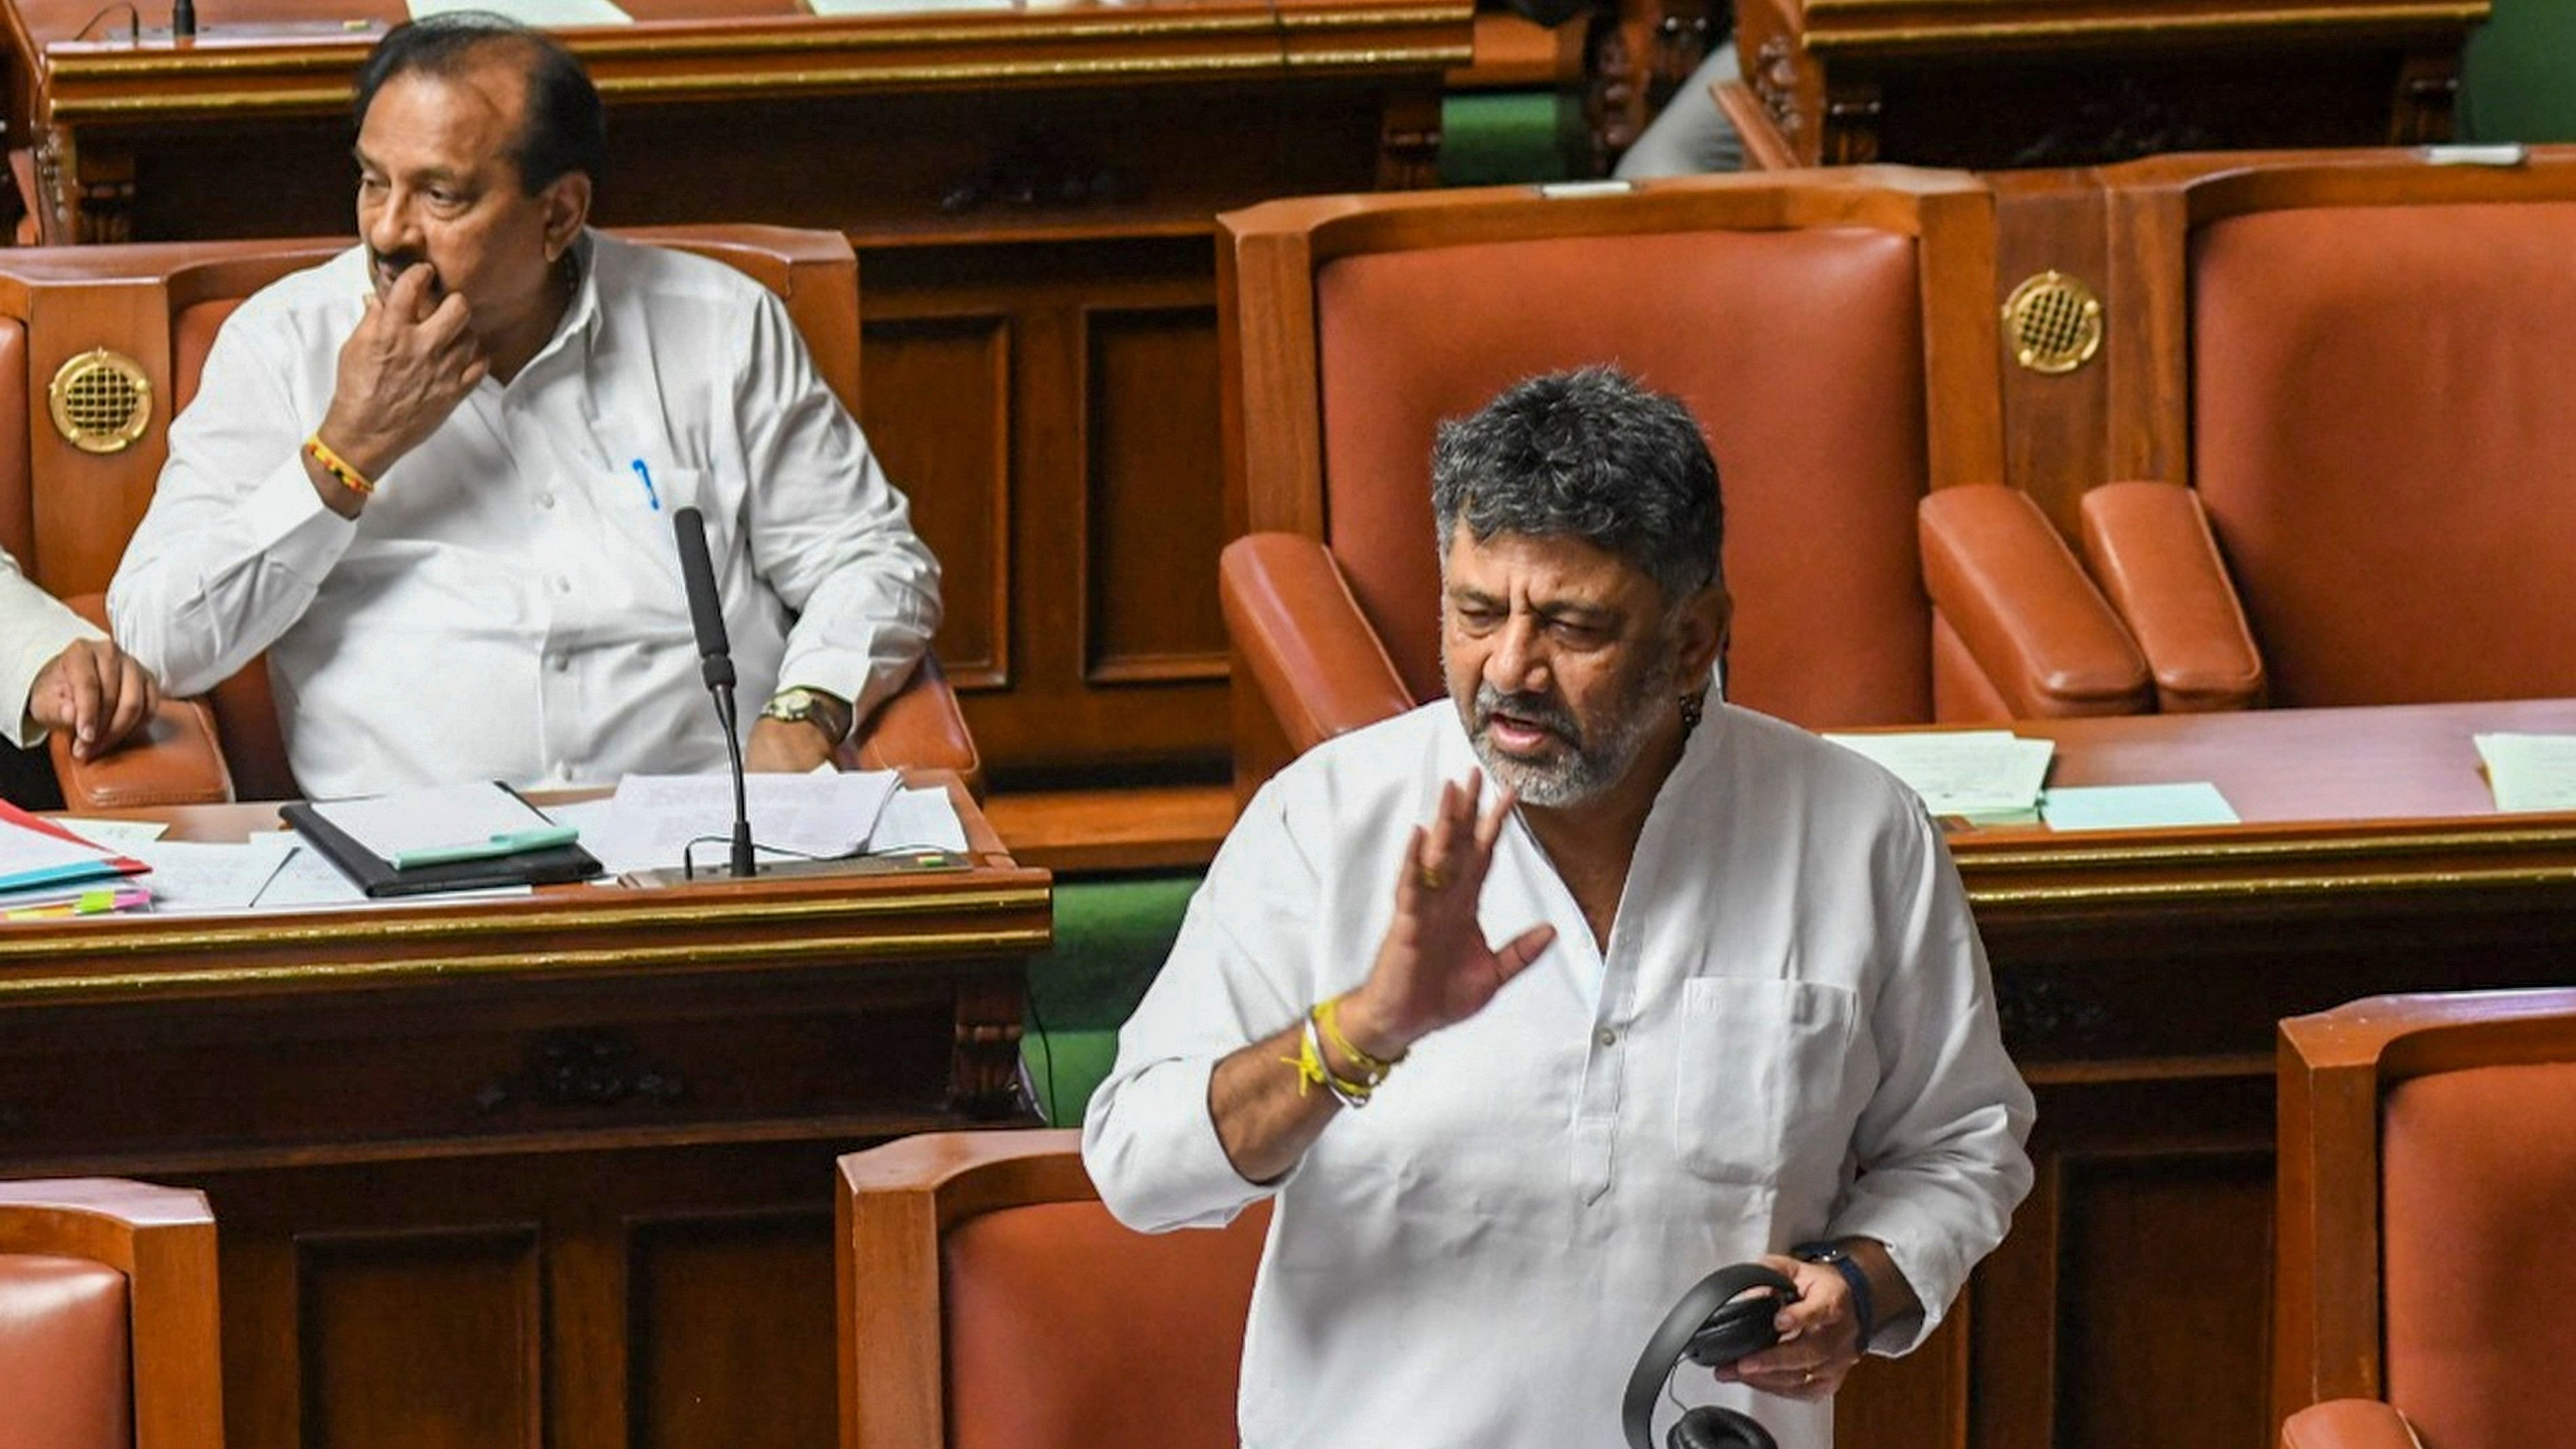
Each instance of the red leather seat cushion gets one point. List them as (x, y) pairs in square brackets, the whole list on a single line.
[(64, 1354), (2383, 434), (2478, 1169), (1066, 1329), (1800, 352)]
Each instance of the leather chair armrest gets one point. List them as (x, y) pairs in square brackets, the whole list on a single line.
[(1311, 651), (920, 728), (2150, 545), (2040, 631), (2348, 1424), (174, 759)]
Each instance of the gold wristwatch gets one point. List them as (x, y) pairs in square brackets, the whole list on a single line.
[(826, 712)]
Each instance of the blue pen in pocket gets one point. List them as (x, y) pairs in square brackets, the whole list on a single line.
[(644, 476)]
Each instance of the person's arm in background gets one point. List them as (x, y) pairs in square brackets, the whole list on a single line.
[(832, 536), (64, 673)]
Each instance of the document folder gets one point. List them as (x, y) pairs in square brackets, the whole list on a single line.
[(378, 878)]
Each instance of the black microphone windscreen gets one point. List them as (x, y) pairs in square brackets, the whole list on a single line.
[(698, 572)]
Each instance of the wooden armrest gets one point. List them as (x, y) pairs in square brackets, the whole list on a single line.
[(1765, 149), (2348, 1424), (1311, 651), (921, 728), (163, 1240), (2150, 545), (174, 759), (2038, 629)]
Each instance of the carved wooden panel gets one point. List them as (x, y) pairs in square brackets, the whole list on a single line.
[(1150, 559), (422, 1340), (710, 1300), (937, 409)]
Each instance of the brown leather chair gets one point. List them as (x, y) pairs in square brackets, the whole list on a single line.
[(2427, 1172), (988, 1301), (66, 511), (2339, 383), (108, 1335), (1831, 332)]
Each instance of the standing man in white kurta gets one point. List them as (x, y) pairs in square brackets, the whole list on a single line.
[(434, 476), (1698, 988)]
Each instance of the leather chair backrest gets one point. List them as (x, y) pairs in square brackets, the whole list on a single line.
[(2478, 1176), (1066, 1330), (2383, 437), (1801, 352), (65, 1381)]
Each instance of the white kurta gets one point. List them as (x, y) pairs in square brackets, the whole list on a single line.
[(1792, 1037), (509, 604)]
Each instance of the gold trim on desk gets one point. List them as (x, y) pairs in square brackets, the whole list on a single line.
[(379, 973), (2268, 887), (1846, 27), (373, 929), (1971, 860)]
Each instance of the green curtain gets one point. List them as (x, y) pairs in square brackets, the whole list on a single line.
[(1110, 938), (2520, 81)]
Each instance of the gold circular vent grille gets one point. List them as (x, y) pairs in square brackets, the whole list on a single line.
[(2053, 323), (101, 401)]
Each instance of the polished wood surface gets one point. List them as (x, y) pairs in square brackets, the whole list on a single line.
[(1031, 190), (547, 1169), (2140, 975), (2008, 83)]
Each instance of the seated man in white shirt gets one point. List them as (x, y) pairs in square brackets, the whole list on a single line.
[(1698, 988), (65, 673), (434, 477)]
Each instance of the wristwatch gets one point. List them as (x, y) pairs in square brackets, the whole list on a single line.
[(826, 712), (1864, 1311)]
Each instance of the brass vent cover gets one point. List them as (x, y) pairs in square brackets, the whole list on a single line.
[(2052, 323), (101, 401)]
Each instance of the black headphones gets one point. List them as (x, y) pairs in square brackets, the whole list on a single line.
[(1711, 1327)]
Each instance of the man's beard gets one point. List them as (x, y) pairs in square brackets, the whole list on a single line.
[(1583, 768)]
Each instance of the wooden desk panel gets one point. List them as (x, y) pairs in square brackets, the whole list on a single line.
[(554, 1169), (1032, 193), (2140, 975)]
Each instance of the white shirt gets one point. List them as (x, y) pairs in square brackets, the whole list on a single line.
[(34, 627), (1794, 1038), (509, 605)]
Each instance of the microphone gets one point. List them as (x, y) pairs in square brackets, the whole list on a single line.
[(183, 19), (715, 663)]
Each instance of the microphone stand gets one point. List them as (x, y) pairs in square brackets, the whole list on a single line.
[(717, 670)]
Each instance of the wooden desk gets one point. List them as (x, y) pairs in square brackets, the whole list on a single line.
[(2000, 83), (517, 1172), (1032, 192), (2140, 976)]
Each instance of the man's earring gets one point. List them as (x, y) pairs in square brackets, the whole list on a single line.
[(1694, 709)]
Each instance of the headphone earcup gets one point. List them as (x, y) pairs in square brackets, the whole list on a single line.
[(1710, 1427)]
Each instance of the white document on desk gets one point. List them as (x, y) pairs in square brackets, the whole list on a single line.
[(538, 14), (2530, 772), (309, 881), (434, 818), (1962, 772), (114, 834), (651, 819), (920, 819), (188, 876)]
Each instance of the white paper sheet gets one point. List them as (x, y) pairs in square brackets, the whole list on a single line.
[(436, 818), (113, 834), (188, 876), (41, 858), (308, 880), (652, 818), (2530, 772), (918, 820), (901, 7), (2135, 807), (1980, 774)]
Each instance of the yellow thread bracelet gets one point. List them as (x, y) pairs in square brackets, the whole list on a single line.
[(1308, 1062), (1328, 1014), (338, 467)]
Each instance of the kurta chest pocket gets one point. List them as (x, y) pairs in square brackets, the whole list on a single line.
[(1759, 1070)]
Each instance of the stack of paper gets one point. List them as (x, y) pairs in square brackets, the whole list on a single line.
[(2530, 772), (652, 819), (1985, 777), (46, 870)]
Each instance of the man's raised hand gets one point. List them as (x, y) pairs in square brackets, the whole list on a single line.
[(404, 368), (1434, 968)]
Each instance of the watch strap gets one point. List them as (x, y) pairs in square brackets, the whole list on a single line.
[(1864, 1305), (826, 711)]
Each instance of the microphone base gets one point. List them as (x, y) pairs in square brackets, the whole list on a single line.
[(909, 862)]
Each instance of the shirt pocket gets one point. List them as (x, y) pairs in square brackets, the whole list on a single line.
[(1760, 1070), (642, 516)]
